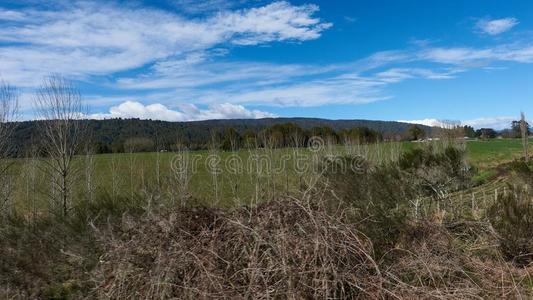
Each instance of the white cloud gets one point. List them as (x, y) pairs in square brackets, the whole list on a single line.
[(478, 57), (382, 58), (132, 109), (457, 55), (497, 123), (277, 21), (84, 38), (395, 75), (517, 54), (427, 122), (497, 26)]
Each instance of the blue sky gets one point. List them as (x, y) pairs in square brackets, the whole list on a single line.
[(177, 60)]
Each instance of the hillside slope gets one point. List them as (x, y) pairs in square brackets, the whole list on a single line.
[(111, 132)]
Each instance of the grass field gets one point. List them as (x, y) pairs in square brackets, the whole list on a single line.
[(229, 178), (490, 153)]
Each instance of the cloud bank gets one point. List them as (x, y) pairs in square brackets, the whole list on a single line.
[(497, 123), (132, 109)]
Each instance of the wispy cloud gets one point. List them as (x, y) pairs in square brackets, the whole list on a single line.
[(350, 19), (395, 75), (479, 57), (496, 26), (366, 80), (293, 85), (457, 55), (86, 38), (11, 15)]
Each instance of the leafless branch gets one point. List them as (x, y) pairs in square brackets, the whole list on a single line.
[(59, 105)]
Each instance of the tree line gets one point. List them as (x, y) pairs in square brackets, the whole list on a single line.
[(135, 135)]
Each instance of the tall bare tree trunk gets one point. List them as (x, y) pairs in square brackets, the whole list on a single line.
[(113, 169), (214, 159), (59, 104), (89, 173), (30, 177), (524, 130), (8, 114)]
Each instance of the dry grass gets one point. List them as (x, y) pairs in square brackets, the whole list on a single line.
[(433, 262), (295, 249), (287, 249)]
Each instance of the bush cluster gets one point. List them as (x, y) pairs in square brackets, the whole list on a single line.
[(380, 195)]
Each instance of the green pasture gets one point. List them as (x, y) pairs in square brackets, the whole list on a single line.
[(222, 178), (490, 153)]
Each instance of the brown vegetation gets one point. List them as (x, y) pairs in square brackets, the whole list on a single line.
[(313, 246)]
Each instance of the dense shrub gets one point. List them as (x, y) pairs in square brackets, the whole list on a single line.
[(380, 195), (512, 219), (512, 214), (437, 172), (521, 168), (377, 197)]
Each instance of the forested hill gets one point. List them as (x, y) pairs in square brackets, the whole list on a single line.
[(307, 123), (112, 134)]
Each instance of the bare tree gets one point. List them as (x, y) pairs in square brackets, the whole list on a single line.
[(524, 130), (131, 146), (30, 176), (8, 114), (115, 178), (182, 168), (214, 160), (60, 106), (89, 173)]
